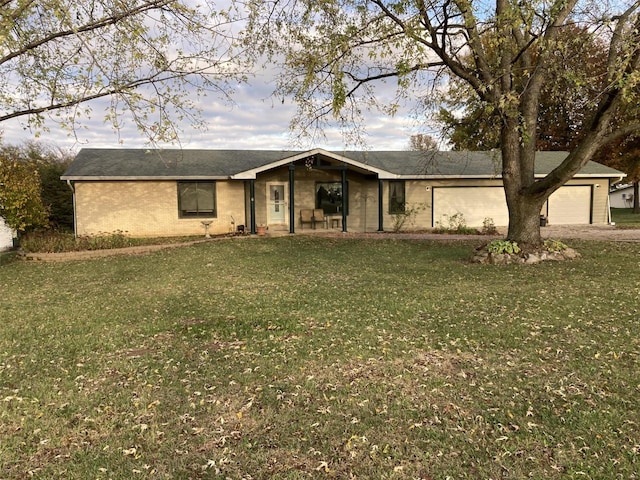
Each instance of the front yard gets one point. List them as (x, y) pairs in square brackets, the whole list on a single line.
[(302, 357)]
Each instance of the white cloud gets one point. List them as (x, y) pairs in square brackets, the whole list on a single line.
[(256, 120)]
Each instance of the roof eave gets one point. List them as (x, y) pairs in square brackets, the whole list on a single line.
[(168, 178)]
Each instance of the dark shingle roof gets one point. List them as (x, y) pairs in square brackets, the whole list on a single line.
[(217, 164), (174, 163)]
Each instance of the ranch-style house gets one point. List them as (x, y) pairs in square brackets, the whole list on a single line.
[(146, 192)]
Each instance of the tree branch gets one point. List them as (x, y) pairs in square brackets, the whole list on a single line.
[(96, 25)]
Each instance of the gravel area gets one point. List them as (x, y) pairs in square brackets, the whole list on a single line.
[(583, 232), (592, 232)]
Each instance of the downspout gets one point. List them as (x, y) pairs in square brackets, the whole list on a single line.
[(75, 217)]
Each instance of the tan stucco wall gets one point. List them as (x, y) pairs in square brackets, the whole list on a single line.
[(150, 208)]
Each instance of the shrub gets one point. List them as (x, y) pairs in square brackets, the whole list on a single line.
[(57, 242), (498, 247), (51, 241), (456, 224), (489, 227), (555, 245), (408, 215)]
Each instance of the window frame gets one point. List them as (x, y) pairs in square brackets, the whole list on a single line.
[(182, 213), (396, 207)]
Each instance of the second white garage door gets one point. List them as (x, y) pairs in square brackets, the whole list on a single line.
[(569, 205)]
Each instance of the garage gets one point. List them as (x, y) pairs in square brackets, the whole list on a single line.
[(474, 203), (570, 205)]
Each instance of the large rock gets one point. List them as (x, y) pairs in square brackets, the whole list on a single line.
[(484, 257)]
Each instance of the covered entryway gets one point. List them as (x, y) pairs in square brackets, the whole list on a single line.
[(474, 203)]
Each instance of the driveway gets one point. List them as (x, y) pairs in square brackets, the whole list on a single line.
[(592, 232), (558, 232)]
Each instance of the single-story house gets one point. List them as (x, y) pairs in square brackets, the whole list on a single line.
[(621, 196), (6, 236), (144, 192)]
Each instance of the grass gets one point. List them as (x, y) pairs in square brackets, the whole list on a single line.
[(625, 218), (301, 357), (7, 257)]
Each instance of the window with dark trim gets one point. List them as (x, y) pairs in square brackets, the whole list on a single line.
[(396, 197), (329, 197), (197, 199)]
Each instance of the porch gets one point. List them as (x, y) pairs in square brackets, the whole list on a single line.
[(349, 196)]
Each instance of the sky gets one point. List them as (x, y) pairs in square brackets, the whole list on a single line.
[(254, 121)]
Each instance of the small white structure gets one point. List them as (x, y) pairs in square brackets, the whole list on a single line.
[(6, 236), (621, 196)]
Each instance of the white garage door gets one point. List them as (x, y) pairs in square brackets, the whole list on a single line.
[(475, 203), (570, 205)]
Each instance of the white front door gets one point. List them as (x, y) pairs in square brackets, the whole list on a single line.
[(276, 204)]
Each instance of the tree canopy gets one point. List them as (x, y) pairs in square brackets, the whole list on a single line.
[(20, 194), (31, 193), (566, 103), (504, 51), (148, 58)]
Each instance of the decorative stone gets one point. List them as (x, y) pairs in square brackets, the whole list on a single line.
[(570, 254), (533, 258), (483, 257)]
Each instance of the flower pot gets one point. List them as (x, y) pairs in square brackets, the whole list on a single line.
[(261, 230)]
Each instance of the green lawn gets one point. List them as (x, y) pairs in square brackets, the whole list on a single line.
[(625, 218), (301, 357)]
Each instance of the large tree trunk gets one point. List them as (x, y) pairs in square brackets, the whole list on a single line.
[(636, 200), (518, 175), (524, 221)]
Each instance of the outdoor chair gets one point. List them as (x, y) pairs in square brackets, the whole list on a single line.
[(306, 216), (318, 217)]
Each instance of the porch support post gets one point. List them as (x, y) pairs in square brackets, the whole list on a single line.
[(292, 201), (380, 208), (344, 199), (252, 205)]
